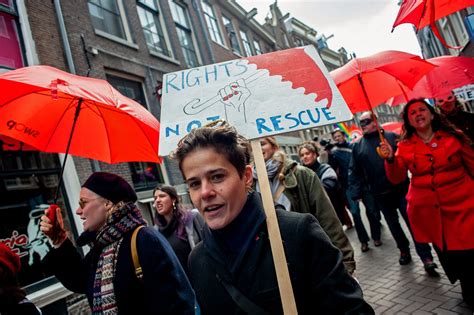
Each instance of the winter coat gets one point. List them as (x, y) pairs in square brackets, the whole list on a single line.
[(339, 159), (181, 247), (440, 198), (367, 170), (320, 282), (165, 288), (306, 194)]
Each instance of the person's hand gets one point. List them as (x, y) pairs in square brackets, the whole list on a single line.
[(386, 150), (234, 95), (53, 230)]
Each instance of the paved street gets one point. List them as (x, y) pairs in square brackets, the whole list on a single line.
[(394, 289)]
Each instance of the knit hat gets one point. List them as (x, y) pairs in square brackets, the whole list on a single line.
[(9, 260), (111, 187)]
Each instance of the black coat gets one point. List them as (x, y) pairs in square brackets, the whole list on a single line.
[(320, 281), (367, 168), (165, 288)]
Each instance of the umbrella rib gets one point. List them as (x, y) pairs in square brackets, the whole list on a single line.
[(18, 97), (59, 121), (134, 120), (106, 132)]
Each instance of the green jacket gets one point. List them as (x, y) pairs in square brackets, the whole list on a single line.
[(307, 195)]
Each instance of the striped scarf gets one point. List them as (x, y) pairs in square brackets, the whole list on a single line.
[(123, 218)]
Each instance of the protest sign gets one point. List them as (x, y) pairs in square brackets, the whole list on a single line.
[(466, 93), (262, 95)]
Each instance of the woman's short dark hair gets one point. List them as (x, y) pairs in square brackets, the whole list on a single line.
[(223, 138), (439, 122), (177, 210)]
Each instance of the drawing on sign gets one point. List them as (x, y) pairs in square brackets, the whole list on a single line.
[(233, 96)]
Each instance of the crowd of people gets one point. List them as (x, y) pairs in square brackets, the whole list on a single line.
[(216, 258)]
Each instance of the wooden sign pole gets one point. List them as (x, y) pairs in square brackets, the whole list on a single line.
[(281, 267)]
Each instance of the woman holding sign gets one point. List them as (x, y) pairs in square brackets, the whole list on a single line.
[(232, 269)]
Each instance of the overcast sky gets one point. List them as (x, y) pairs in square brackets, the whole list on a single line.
[(360, 26)]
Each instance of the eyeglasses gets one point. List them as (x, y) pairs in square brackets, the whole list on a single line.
[(365, 122), (441, 101), (82, 203)]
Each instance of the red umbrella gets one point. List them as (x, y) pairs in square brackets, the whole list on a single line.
[(421, 13), (393, 126), (55, 111), (367, 82), (451, 73)]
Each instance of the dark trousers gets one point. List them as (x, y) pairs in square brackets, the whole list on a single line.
[(458, 265), (372, 215), (389, 203)]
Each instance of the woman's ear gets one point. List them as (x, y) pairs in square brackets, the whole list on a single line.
[(248, 175), (108, 204)]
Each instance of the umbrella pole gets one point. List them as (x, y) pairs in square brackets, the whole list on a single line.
[(381, 137), (76, 115), (403, 91)]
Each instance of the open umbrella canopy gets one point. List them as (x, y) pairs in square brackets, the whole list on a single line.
[(367, 82), (39, 104), (421, 13), (451, 73)]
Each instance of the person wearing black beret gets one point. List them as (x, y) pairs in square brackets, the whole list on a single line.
[(107, 274)]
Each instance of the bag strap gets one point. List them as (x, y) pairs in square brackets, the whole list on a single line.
[(240, 299), (136, 261)]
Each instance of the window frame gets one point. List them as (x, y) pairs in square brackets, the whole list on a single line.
[(188, 30), (246, 43), (128, 40), (235, 50), (161, 27), (257, 47), (212, 23)]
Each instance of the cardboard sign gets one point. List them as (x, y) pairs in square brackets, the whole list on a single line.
[(466, 93), (262, 95)]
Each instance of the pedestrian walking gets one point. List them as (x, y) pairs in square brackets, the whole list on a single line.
[(108, 274), (309, 154), (340, 158), (367, 165), (451, 108), (297, 188), (232, 269), (440, 199), (13, 299), (182, 228)]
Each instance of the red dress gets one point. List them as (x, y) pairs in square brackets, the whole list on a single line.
[(441, 194)]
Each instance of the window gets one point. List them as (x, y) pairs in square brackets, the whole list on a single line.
[(299, 42), (211, 22), (183, 28), (152, 29), (11, 54), (28, 182), (257, 47), (229, 27), (145, 176), (469, 22), (107, 18), (246, 43)]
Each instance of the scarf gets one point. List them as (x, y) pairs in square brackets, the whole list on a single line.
[(273, 168), (124, 218), (230, 244)]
